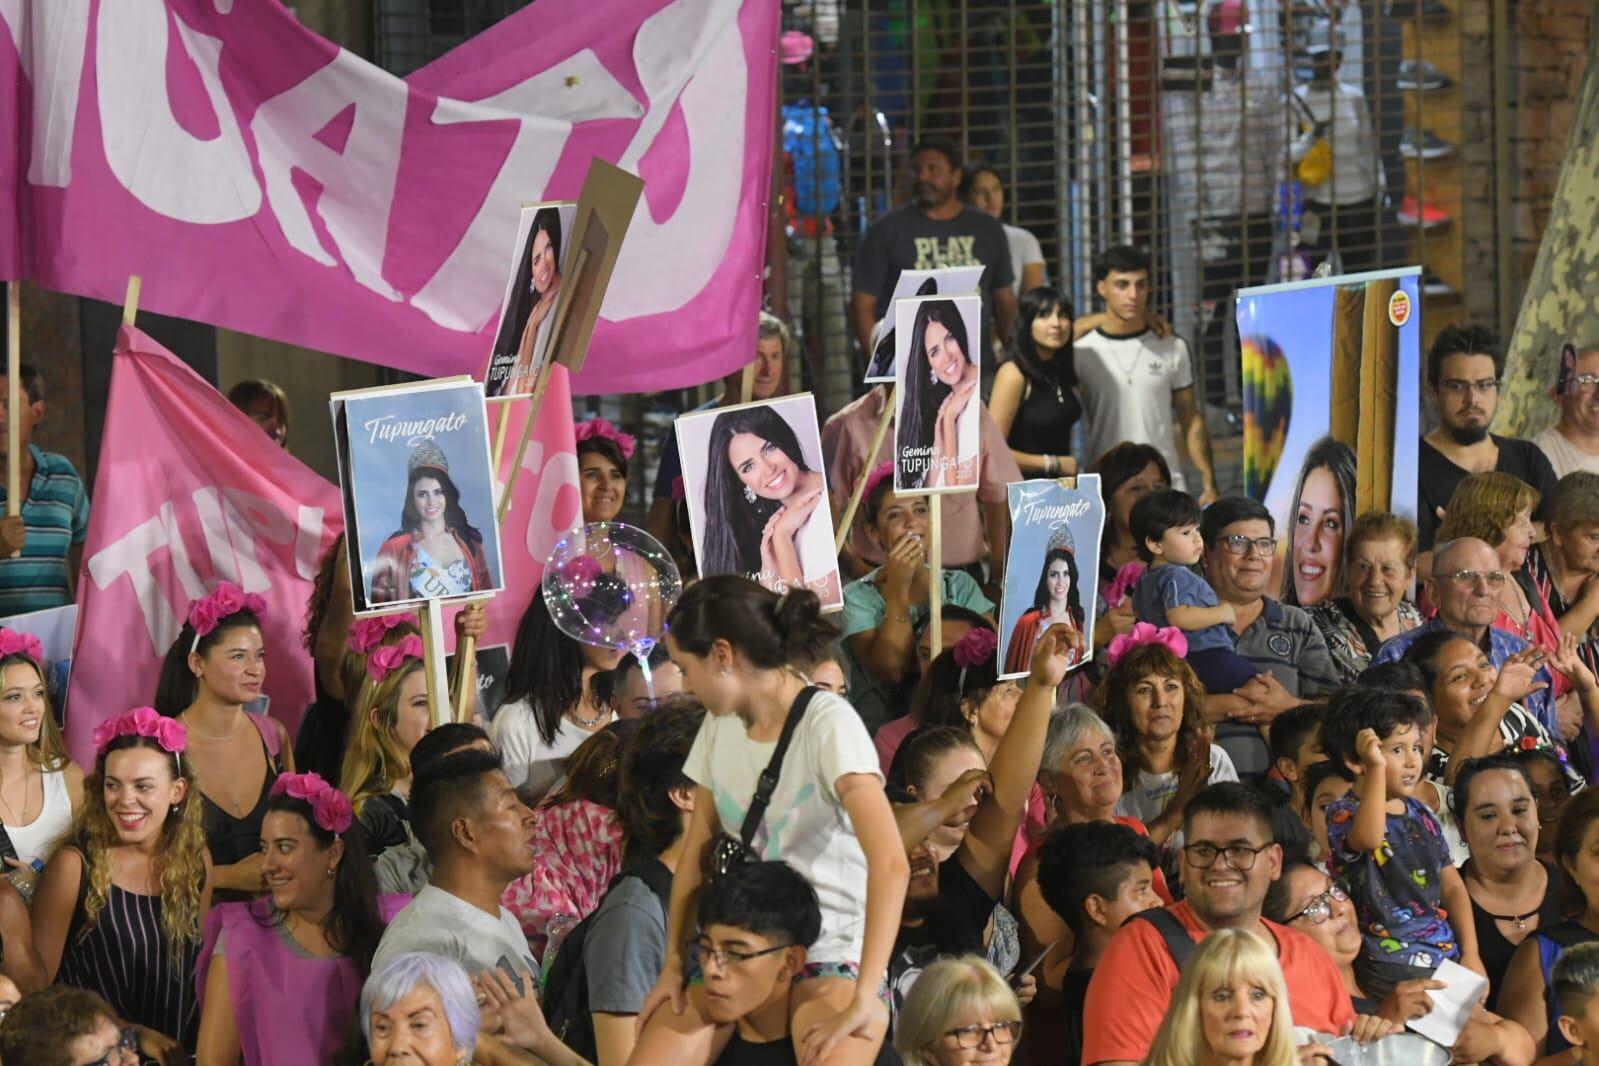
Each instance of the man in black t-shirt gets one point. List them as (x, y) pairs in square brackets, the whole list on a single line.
[(1464, 368), (933, 231)]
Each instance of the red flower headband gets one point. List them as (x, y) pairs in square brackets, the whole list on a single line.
[(600, 427), (169, 733), (225, 600), (14, 643), (875, 478), (368, 633), (1144, 633), (330, 807), (384, 661)]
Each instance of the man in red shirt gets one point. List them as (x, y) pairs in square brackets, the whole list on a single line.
[(1228, 861)]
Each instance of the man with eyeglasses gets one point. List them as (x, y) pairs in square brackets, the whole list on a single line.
[(1228, 862), (1464, 367), (1281, 640), (1573, 442), (1465, 583)]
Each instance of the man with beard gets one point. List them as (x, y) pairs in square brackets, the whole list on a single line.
[(1464, 367), (1280, 639), (933, 231), (1228, 862)]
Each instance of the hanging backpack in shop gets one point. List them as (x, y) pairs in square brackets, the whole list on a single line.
[(1316, 167), (818, 165)]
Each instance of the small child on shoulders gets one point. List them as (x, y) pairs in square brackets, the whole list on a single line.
[(1574, 988), (1165, 526), (1388, 846)]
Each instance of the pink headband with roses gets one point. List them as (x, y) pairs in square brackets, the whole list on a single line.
[(600, 427), (14, 643), (329, 807), (224, 601), (1144, 633), (384, 661), (368, 633), (875, 478), (169, 733), (974, 649)]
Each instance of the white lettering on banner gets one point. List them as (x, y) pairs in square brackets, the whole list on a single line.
[(60, 30), (168, 169), (387, 428), (357, 182), (1056, 514)]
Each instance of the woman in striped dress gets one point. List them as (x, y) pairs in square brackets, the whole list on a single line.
[(119, 908)]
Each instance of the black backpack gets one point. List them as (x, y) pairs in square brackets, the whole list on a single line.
[(566, 989), (1178, 943)]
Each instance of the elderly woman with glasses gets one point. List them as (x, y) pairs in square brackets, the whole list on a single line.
[(959, 1011), (1307, 900), (1379, 567)]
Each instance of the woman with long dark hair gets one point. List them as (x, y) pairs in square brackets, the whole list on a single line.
[(525, 330), (937, 443), (1323, 508), (1056, 601), (551, 702), (436, 553), (1034, 401), (765, 508), (298, 955)]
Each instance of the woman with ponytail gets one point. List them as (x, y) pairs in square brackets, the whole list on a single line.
[(119, 908), (215, 667), (829, 817)]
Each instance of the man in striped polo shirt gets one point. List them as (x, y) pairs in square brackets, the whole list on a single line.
[(41, 550)]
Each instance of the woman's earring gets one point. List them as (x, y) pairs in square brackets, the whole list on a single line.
[(932, 375), (749, 494), (332, 871)]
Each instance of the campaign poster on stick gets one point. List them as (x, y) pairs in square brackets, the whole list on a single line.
[(532, 295), (418, 493), (936, 342), (757, 495), (948, 281), (1332, 401), (1052, 567)]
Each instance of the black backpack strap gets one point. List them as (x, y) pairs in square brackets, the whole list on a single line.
[(1178, 942), (768, 779)]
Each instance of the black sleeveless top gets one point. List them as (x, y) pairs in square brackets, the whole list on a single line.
[(233, 839), (1044, 420)]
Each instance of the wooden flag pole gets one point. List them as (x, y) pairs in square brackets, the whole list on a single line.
[(432, 618), (841, 534), (935, 584), (14, 489), (130, 300)]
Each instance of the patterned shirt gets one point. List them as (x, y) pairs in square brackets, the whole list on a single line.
[(56, 515), (1397, 889), (1501, 646), (1348, 649)]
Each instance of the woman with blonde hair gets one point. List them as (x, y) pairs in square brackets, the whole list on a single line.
[(959, 1011), (41, 788), (1230, 1008), (392, 714)]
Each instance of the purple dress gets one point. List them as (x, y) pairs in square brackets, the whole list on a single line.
[(270, 979)]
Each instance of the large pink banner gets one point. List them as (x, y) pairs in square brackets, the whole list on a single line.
[(189, 492), (263, 179)]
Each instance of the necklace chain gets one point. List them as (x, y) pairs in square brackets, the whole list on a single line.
[(204, 736)]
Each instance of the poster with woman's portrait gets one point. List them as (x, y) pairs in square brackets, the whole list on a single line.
[(1051, 567), (418, 493), (936, 403), (1332, 407), (757, 495), (946, 281), (527, 314)]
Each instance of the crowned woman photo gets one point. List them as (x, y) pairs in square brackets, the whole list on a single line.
[(436, 553), (1055, 602)]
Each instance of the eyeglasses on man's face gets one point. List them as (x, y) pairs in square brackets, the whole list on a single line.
[(722, 957), (1318, 908), (1469, 579), (1460, 387), (1582, 382), (1240, 857), (970, 1036), (1238, 544)]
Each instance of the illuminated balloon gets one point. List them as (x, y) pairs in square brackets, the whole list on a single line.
[(611, 585), (1268, 402)]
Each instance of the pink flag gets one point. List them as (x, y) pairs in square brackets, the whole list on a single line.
[(261, 178), (189, 492)]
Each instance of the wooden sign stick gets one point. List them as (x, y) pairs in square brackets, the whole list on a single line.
[(15, 492), (841, 534), (935, 584), (432, 619)]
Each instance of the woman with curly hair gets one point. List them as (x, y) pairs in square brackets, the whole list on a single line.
[(436, 552), (937, 442), (1155, 703), (119, 908)]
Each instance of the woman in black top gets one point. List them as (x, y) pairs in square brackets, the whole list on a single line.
[(1034, 401)]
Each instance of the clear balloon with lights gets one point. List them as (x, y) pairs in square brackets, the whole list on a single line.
[(612, 585)]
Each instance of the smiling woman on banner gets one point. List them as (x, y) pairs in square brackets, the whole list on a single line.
[(1057, 601), (941, 380), (40, 787), (215, 667), (437, 553), (1324, 506), (119, 908), (525, 333), (766, 512)]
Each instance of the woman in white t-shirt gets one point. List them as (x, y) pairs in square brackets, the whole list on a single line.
[(40, 787), (551, 705), (829, 818), (1154, 701)]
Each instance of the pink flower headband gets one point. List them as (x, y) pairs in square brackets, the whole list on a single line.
[(368, 633), (875, 478), (143, 722), (582, 571), (1144, 633), (1122, 585), (14, 643), (600, 427), (223, 601), (974, 649), (384, 661), (330, 807)]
